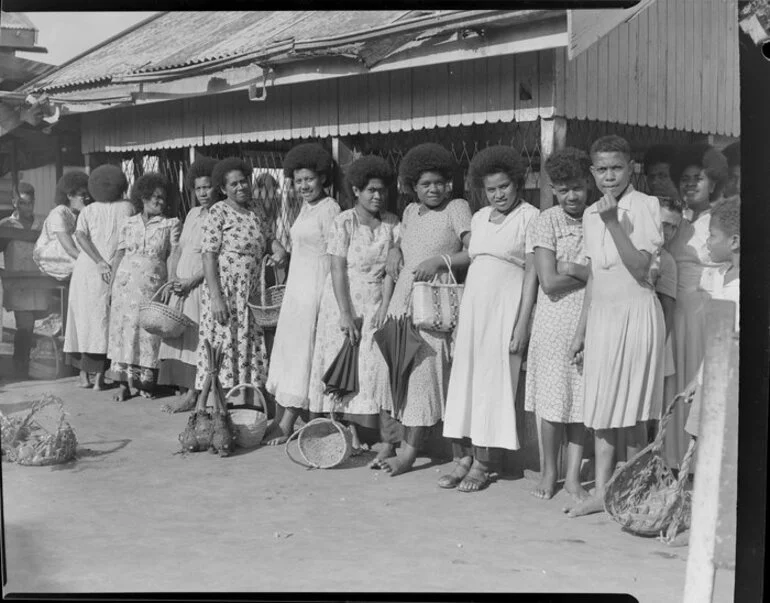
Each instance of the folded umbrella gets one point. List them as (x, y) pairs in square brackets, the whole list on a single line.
[(341, 378)]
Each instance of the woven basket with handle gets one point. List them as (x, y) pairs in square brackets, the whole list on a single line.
[(159, 318), (644, 496), (322, 443), (266, 312), (249, 423)]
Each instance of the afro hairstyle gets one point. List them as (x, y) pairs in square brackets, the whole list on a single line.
[(611, 144), (726, 215), (705, 157), (497, 159), (146, 185), (426, 157), (368, 167), (222, 169), (69, 184), (107, 183), (309, 156), (733, 154), (659, 153), (200, 168), (568, 165)]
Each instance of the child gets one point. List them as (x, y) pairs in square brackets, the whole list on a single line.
[(621, 325), (27, 304), (724, 244)]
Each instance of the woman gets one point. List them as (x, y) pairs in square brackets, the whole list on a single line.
[(179, 357), (554, 387), (235, 240), (434, 226), (491, 336), (85, 337), (139, 269), (658, 162), (357, 290), (55, 250), (701, 173), (309, 167)]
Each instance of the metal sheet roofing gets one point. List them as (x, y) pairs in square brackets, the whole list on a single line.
[(16, 21)]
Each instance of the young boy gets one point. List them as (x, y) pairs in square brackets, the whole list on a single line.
[(723, 282), (622, 326), (27, 304)]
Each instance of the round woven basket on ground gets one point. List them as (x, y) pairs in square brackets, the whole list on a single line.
[(322, 443), (159, 318), (249, 423), (266, 312)]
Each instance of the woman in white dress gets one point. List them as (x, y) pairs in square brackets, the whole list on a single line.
[(491, 336), (179, 357), (357, 290), (309, 167), (85, 337)]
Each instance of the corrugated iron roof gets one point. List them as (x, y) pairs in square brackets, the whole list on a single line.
[(16, 21)]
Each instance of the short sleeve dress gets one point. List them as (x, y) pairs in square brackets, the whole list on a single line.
[(49, 254), (554, 387)]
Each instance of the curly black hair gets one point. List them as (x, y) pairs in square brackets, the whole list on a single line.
[(707, 158), (726, 215), (671, 203), (69, 184), (365, 168), (568, 165), (426, 157), (611, 144), (146, 185), (107, 183), (659, 153), (25, 188), (222, 169), (309, 156), (733, 154), (498, 159), (200, 168)]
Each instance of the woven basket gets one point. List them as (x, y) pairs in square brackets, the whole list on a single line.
[(644, 497), (158, 318), (266, 313), (249, 423), (322, 443)]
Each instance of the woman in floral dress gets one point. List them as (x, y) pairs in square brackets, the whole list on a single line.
[(357, 288), (235, 240), (309, 167), (179, 357), (139, 269), (435, 225), (554, 387)]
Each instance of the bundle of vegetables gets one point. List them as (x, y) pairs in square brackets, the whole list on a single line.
[(25, 441)]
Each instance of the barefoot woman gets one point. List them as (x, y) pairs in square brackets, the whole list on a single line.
[(493, 328), (554, 388), (434, 226)]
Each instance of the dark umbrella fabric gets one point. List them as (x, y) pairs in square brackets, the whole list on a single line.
[(399, 343), (341, 378)]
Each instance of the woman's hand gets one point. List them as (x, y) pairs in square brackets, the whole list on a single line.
[(607, 207), (519, 339), (348, 326), (394, 263), (182, 287), (219, 310), (106, 272), (575, 352), (428, 269), (380, 317)]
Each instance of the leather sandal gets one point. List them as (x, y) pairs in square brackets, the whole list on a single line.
[(449, 480)]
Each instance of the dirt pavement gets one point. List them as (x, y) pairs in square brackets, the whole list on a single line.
[(132, 514)]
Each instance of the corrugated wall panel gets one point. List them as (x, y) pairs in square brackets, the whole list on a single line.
[(734, 117), (633, 72), (652, 49), (623, 82), (526, 80), (603, 56), (613, 74), (480, 79), (681, 66), (582, 86), (662, 72), (546, 78), (455, 100), (672, 81), (643, 83), (508, 91)]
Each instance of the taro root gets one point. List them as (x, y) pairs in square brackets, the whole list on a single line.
[(222, 440), (203, 430), (187, 437)]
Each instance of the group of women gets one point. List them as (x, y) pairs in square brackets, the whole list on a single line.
[(570, 290)]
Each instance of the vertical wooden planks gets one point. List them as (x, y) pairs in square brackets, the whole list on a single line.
[(430, 82), (361, 103), (720, 76), (466, 91), (492, 89), (480, 77), (455, 83), (707, 93), (546, 82), (559, 81), (688, 32), (582, 86), (602, 76), (406, 100), (397, 93), (652, 49), (699, 41), (663, 71), (592, 84), (571, 93), (420, 82), (643, 84), (441, 93), (734, 68), (614, 77), (373, 102), (526, 90), (285, 133), (507, 88), (633, 73), (624, 76)]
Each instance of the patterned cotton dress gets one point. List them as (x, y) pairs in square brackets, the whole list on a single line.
[(485, 375), (427, 233), (292, 355), (179, 357), (239, 239), (49, 253), (366, 251), (624, 344), (132, 350), (554, 387)]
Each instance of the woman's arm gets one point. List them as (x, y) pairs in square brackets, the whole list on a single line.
[(86, 245), (218, 307), (668, 303), (381, 316), (341, 286), (425, 271), (65, 239), (636, 262), (173, 262), (116, 260), (550, 279), (520, 336), (576, 348)]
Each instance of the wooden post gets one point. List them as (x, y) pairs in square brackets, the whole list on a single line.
[(713, 507), (191, 152), (553, 136)]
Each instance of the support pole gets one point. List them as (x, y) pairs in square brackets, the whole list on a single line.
[(191, 152), (553, 137)]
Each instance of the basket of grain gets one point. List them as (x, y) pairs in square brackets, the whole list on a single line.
[(159, 318), (249, 423), (266, 312), (322, 444)]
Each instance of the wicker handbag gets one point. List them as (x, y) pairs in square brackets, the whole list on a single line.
[(644, 497), (158, 318), (249, 423), (323, 443), (266, 313), (436, 306)]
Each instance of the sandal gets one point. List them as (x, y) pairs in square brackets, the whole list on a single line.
[(474, 484), (450, 480)]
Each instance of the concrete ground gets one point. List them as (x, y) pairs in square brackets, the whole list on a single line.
[(133, 514)]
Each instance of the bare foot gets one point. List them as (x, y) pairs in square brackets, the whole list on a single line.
[(275, 435), (476, 480), (123, 393), (185, 404), (575, 490), (592, 504), (85, 382), (387, 451), (458, 473), (99, 382), (146, 395), (546, 488), (396, 465)]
